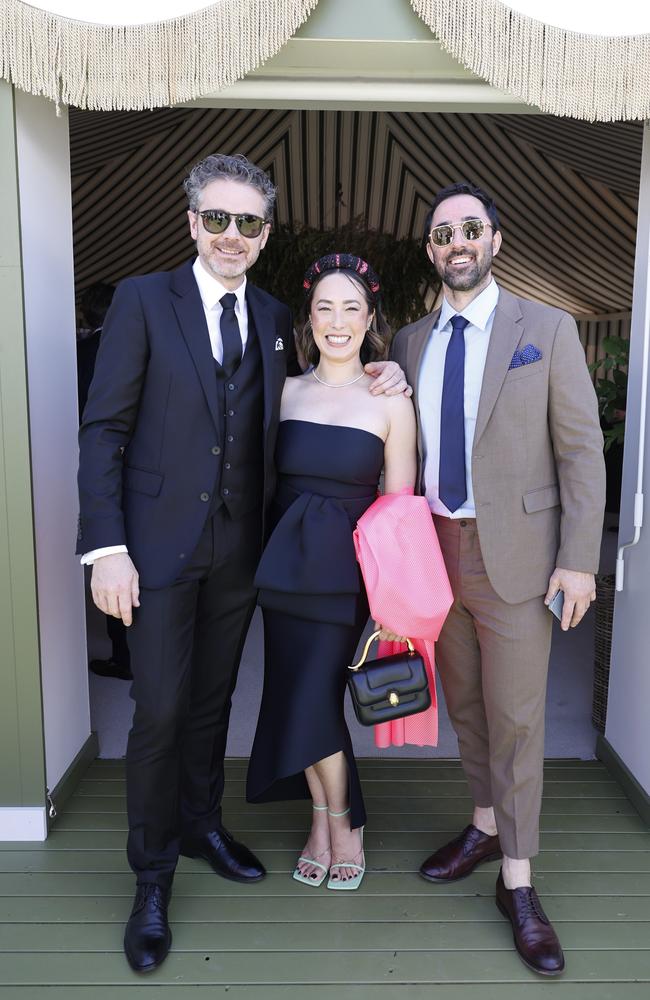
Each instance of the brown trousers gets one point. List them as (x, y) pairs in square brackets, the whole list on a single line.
[(492, 659)]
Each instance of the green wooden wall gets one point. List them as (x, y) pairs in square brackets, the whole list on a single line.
[(22, 771)]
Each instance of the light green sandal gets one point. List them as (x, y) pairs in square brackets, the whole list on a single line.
[(355, 881), (306, 879)]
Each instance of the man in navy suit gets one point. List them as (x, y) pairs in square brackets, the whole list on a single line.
[(176, 464), (176, 469)]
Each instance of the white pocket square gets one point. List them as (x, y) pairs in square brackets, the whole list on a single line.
[(279, 344)]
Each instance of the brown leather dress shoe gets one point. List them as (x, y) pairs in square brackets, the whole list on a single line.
[(534, 937), (460, 856)]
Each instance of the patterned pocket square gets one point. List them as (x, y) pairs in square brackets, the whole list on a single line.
[(525, 356)]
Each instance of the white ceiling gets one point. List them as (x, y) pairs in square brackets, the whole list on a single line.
[(625, 17), (122, 11)]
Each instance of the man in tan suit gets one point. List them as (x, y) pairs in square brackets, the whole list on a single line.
[(511, 463)]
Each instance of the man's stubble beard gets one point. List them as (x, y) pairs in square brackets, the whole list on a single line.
[(471, 278), (221, 271), (225, 271)]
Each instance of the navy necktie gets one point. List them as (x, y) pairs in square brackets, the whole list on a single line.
[(230, 334), (452, 488)]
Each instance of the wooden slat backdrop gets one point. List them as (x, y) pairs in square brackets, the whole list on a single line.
[(567, 191), (594, 330)]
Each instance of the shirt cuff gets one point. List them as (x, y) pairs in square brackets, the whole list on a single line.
[(88, 558)]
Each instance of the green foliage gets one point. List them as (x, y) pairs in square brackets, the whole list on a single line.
[(404, 270), (612, 389)]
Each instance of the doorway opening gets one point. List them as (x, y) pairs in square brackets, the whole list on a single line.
[(567, 196)]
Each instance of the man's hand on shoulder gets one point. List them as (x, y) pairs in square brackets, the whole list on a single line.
[(579, 591), (389, 379), (115, 586)]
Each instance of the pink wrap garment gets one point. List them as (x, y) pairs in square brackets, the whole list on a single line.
[(408, 592)]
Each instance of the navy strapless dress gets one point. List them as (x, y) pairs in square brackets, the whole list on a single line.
[(314, 606)]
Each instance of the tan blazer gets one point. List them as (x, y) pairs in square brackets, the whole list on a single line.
[(537, 462)]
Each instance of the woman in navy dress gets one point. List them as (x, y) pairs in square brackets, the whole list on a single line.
[(335, 437)]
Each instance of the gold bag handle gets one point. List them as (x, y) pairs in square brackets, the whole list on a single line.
[(366, 648)]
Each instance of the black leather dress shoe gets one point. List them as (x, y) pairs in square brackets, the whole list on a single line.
[(534, 937), (147, 937), (111, 668), (226, 856), (460, 856)]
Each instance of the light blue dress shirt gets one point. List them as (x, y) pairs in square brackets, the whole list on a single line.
[(480, 313)]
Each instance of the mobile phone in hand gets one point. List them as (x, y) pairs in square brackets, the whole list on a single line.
[(556, 604)]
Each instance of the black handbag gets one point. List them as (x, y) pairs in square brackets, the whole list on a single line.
[(388, 688)]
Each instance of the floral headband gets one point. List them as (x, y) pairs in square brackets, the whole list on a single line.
[(342, 262)]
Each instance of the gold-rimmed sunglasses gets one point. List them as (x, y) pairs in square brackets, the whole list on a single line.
[(216, 220), (472, 229)]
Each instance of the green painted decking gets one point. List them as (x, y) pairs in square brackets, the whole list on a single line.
[(63, 904)]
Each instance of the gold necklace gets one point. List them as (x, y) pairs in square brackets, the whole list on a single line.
[(336, 385)]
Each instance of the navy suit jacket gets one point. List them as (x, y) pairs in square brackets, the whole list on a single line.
[(150, 436)]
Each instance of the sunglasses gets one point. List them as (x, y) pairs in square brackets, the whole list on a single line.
[(472, 229), (217, 221)]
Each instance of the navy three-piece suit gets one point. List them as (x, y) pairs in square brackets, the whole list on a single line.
[(176, 462)]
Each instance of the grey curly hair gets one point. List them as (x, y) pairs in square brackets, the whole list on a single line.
[(219, 166)]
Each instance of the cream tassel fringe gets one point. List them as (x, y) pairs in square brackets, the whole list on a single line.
[(592, 77), (113, 67)]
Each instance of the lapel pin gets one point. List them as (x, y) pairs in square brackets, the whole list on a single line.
[(279, 344)]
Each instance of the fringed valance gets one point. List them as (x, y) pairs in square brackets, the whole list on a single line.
[(593, 77), (127, 67), (131, 67)]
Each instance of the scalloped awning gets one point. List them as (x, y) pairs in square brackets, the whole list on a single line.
[(150, 64), (557, 67), (170, 51)]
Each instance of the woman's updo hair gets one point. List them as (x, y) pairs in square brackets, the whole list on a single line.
[(377, 340)]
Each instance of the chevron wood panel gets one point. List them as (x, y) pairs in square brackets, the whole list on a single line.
[(566, 190)]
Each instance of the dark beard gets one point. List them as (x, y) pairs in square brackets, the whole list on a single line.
[(471, 276)]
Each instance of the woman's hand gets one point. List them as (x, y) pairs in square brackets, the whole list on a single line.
[(385, 634)]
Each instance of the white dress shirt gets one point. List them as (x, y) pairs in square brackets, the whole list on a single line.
[(480, 313), (211, 291)]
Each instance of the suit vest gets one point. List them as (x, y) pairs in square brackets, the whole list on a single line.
[(239, 481)]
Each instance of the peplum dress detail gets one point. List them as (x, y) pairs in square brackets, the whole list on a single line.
[(314, 605)]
